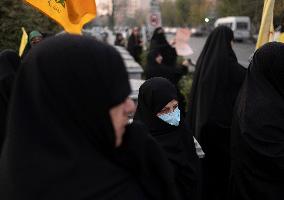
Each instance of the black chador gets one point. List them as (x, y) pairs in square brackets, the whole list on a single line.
[(61, 141), (217, 80), (257, 143), (176, 141)]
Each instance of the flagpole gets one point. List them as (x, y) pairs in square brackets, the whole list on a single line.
[(266, 28)]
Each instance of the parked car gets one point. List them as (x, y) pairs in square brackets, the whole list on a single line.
[(199, 31), (170, 30)]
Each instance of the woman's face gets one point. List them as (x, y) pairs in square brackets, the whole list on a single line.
[(160, 31), (170, 107), (136, 31), (119, 116), (159, 59), (119, 36), (36, 40)]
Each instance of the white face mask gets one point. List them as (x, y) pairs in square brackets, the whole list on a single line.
[(172, 118)]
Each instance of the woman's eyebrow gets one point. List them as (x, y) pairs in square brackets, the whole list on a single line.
[(164, 109)]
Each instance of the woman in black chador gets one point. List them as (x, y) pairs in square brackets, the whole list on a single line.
[(156, 68), (159, 41), (119, 40), (135, 44), (257, 141), (216, 83), (9, 62), (68, 136), (158, 109), (162, 62)]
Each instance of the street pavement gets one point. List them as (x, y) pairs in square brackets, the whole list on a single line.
[(243, 50)]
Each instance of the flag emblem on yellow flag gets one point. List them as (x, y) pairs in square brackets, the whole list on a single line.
[(266, 31), (24, 42), (71, 14)]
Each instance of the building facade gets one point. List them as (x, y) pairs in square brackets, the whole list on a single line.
[(104, 7)]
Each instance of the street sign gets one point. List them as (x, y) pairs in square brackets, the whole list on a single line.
[(154, 18)]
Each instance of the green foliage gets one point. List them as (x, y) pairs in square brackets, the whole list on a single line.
[(143, 57), (175, 13), (198, 11), (185, 87), (138, 20), (278, 12), (184, 12), (251, 8), (14, 15), (183, 8), (169, 13), (185, 83)]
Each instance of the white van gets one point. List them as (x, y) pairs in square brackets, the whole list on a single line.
[(241, 26)]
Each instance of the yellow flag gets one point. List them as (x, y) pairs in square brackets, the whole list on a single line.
[(24, 42), (266, 30), (71, 14), (281, 38)]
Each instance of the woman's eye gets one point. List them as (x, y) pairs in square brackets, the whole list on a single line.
[(165, 111)]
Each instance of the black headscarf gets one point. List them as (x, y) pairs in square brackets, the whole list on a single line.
[(60, 142), (154, 69), (154, 95), (177, 142), (258, 128), (159, 42), (119, 40), (158, 39), (9, 62), (216, 82)]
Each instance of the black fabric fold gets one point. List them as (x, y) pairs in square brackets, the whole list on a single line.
[(159, 42), (257, 141), (216, 83), (177, 142), (9, 63), (60, 138), (134, 47)]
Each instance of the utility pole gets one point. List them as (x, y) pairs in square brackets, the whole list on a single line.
[(112, 16)]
